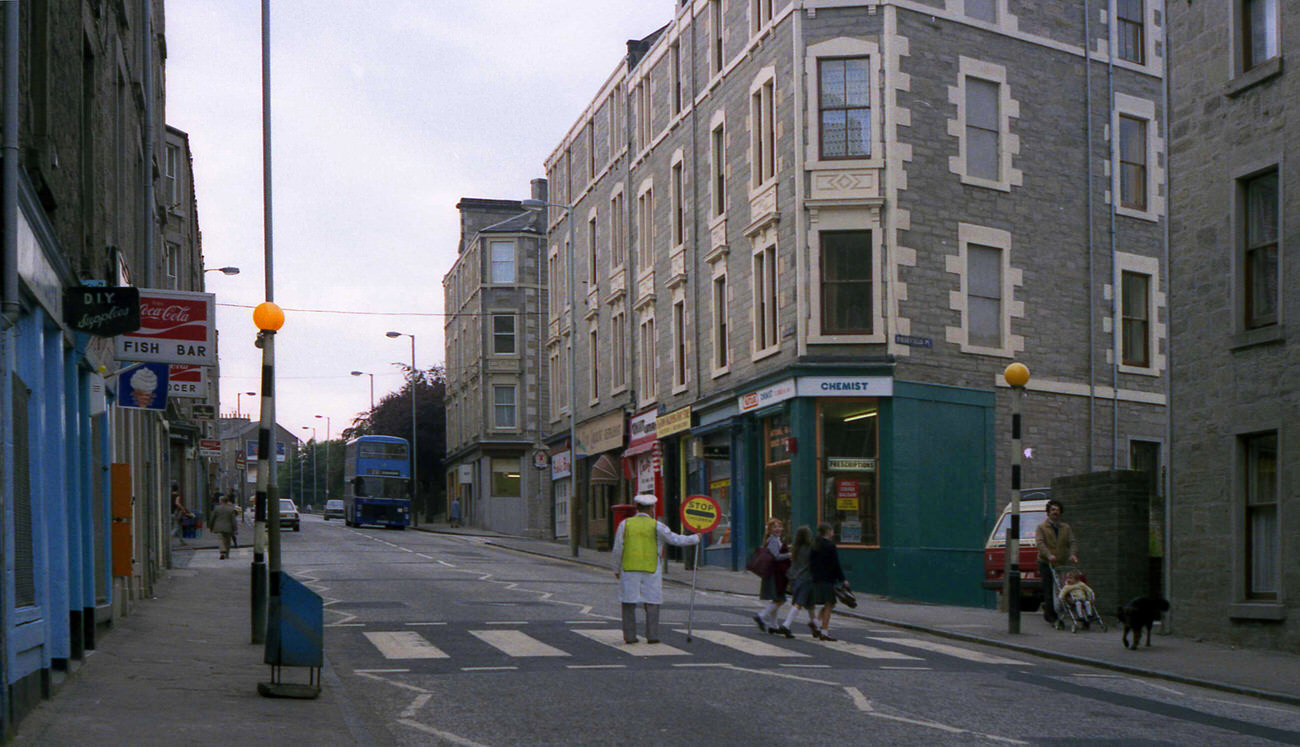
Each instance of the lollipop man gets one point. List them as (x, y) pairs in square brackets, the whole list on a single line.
[(638, 566)]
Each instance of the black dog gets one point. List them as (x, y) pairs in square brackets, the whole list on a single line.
[(1138, 614)]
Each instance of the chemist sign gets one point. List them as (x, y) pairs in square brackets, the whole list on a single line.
[(700, 514), (175, 327)]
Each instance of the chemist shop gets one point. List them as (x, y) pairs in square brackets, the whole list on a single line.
[(902, 471)]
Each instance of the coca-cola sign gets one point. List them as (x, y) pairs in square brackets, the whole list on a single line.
[(175, 327)]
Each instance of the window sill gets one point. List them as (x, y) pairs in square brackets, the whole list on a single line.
[(1264, 71), (1270, 335), (1257, 611)]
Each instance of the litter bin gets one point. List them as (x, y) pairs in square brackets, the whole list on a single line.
[(189, 527), (622, 511)]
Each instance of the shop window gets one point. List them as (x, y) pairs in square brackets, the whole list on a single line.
[(505, 477), (717, 458), (849, 465), (776, 472), (1260, 489)]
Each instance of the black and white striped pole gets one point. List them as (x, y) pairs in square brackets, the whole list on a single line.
[(1016, 375), (266, 509)]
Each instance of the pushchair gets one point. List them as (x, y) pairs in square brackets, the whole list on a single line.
[(1066, 609)]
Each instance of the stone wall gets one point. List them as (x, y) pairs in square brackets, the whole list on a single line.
[(1108, 513)]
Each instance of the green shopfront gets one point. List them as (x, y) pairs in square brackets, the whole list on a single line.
[(903, 472)]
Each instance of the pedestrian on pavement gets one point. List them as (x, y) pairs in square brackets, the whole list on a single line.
[(772, 587), (638, 565), (222, 522), (1055, 543), (179, 514), (453, 516), (824, 564), (800, 575)]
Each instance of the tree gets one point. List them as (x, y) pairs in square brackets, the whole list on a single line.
[(391, 416)]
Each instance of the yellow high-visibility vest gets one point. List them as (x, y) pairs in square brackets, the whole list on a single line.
[(640, 544)]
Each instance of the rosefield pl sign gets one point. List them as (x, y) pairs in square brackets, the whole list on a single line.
[(175, 327)]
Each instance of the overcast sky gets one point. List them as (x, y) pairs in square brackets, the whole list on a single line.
[(384, 115)]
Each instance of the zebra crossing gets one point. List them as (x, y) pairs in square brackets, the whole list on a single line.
[(598, 646)]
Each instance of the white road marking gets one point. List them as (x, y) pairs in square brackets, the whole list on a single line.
[(805, 666), (866, 652), (416, 705), (379, 671), (516, 643), (584, 622), (744, 644), (405, 644), (488, 669), (613, 638), (346, 625), (443, 735), (506, 622), (908, 669), (864, 705), (595, 666), (954, 651), (413, 624)]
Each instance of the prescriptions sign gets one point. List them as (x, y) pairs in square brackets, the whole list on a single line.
[(700, 514)]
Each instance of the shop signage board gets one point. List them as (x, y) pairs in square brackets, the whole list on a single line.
[(561, 465), (700, 513), (673, 422), (846, 494), (602, 434), (187, 381), (846, 386), (209, 447), (203, 412), (642, 431), (465, 473), (175, 327), (143, 387), (778, 392), (102, 311)]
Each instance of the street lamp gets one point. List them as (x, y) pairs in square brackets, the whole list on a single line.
[(1017, 375), (573, 339), (415, 481), (327, 455), (301, 485), (239, 410), (225, 270), (372, 387)]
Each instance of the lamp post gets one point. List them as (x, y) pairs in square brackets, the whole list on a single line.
[(1016, 375), (301, 484), (224, 270), (239, 411), (372, 386), (266, 513), (415, 481), (327, 457), (573, 340)]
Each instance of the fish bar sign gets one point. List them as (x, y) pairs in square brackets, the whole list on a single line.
[(102, 312), (175, 327)]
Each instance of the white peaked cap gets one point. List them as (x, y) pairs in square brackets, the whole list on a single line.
[(645, 499)]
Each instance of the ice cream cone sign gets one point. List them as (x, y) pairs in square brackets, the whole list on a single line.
[(143, 387)]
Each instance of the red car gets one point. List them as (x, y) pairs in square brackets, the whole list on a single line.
[(1032, 513)]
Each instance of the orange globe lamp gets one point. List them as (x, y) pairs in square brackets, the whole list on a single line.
[(268, 317), (1017, 374)]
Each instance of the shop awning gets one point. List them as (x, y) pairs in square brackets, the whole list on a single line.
[(642, 448), (604, 471)]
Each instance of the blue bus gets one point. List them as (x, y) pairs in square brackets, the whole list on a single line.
[(377, 482)]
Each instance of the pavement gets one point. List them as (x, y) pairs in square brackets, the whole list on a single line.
[(181, 668)]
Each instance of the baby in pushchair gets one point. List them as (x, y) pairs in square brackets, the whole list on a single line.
[(1074, 599)]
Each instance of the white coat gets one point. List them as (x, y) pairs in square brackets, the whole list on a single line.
[(639, 587)]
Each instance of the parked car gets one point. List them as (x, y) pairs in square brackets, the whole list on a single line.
[(1032, 513), (289, 515), (334, 509)]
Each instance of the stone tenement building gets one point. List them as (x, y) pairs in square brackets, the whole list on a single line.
[(810, 235), (494, 296), (99, 193), (1235, 404)]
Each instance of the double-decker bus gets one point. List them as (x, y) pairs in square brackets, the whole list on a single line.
[(377, 479)]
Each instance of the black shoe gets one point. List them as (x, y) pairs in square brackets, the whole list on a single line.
[(762, 626), (827, 637), (634, 640), (783, 630), (816, 632), (652, 640)]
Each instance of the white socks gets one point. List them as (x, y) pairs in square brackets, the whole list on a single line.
[(768, 615)]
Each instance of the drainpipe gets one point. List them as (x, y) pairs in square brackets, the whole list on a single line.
[(1167, 481), (695, 224), (1087, 151), (1115, 285), (802, 295), (10, 307), (146, 32)]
